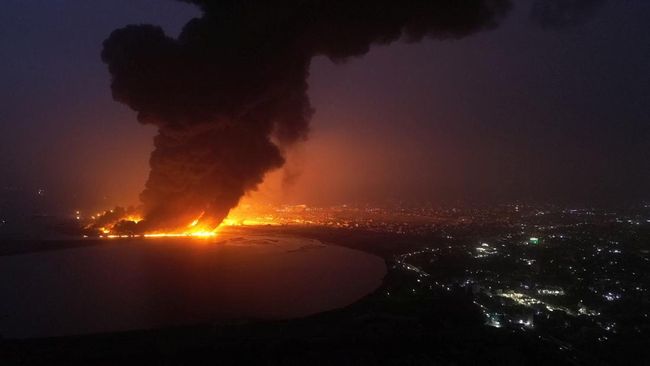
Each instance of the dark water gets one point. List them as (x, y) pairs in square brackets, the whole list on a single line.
[(139, 284)]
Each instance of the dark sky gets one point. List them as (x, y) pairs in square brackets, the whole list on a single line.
[(551, 112)]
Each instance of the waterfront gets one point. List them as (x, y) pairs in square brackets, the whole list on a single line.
[(132, 284)]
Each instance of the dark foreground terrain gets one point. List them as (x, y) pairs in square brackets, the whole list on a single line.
[(412, 319)]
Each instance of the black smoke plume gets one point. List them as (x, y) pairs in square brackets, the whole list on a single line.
[(230, 93)]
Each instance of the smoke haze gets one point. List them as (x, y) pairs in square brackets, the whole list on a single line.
[(563, 13)]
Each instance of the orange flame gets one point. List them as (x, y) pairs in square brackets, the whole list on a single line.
[(238, 217)]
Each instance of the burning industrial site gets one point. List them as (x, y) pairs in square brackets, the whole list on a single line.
[(228, 96), (322, 182), (122, 222)]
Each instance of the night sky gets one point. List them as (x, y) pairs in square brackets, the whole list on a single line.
[(540, 109)]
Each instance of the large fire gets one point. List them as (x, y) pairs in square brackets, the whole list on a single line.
[(119, 223), (255, 209)]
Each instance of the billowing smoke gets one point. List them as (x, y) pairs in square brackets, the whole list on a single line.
[(229, 95)]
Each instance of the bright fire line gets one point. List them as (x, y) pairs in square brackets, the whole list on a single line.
[(194, 229)]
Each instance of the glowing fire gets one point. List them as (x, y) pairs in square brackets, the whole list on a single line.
[(243, 215), (199, 233), (193, 230), (133, 218), (255, 209)]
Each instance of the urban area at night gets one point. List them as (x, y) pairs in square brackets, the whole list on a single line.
[(575, 279)]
